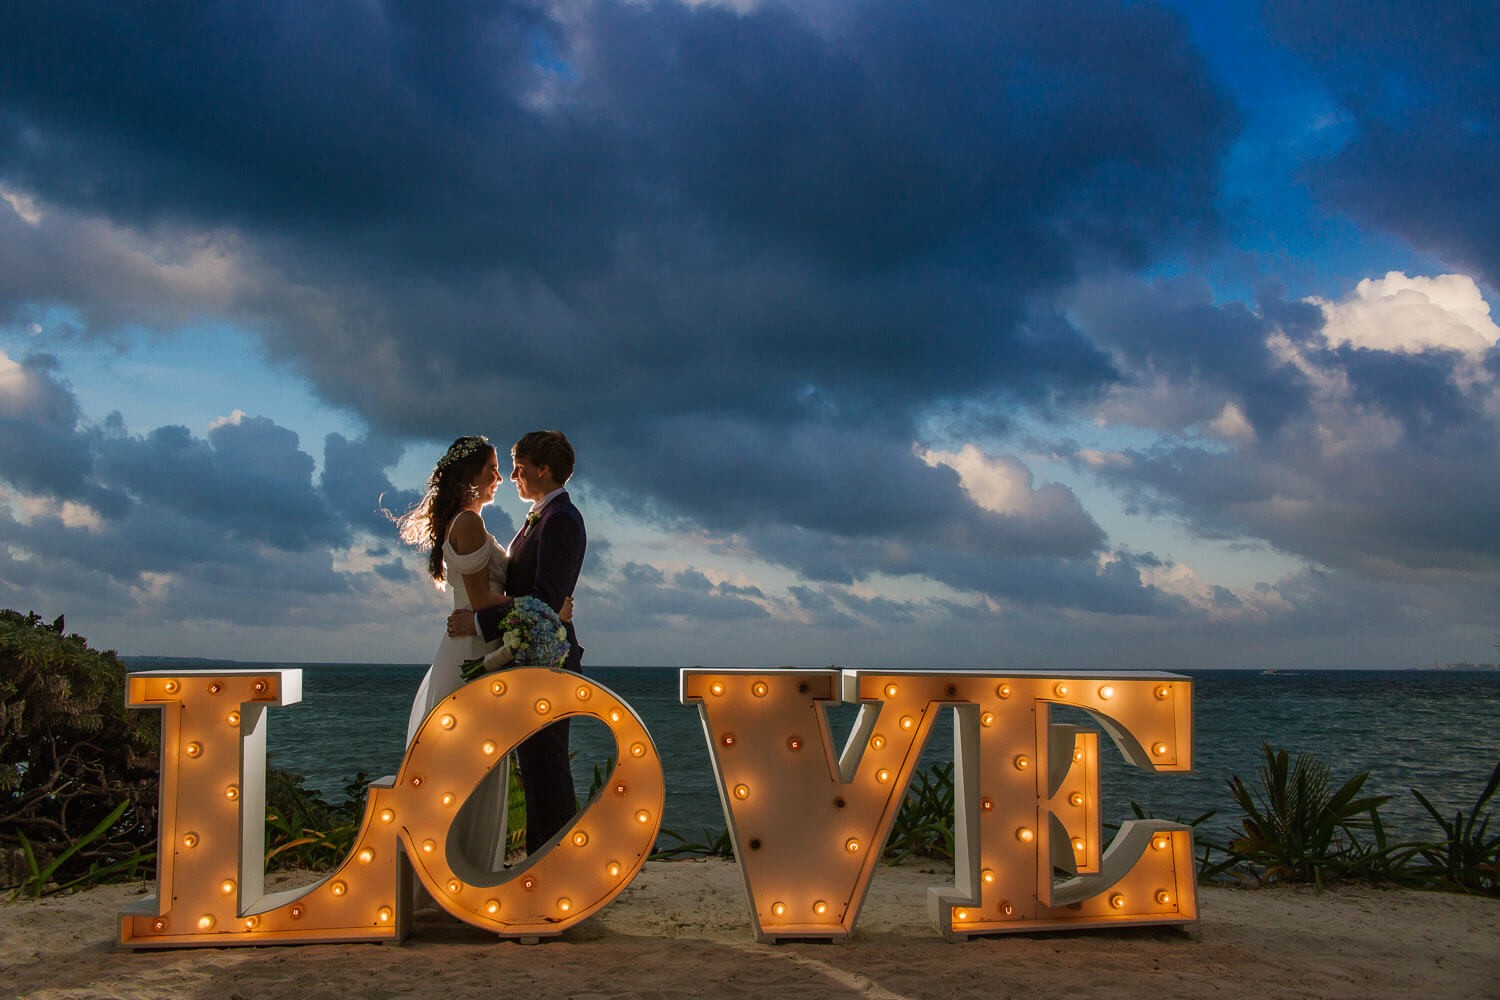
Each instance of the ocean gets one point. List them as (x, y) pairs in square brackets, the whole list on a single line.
[(1432, 730)]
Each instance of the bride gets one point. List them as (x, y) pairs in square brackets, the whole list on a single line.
[(447, 523)]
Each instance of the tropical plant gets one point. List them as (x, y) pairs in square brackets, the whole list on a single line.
[(302, 829), (1469, 855), (78, 770), (924, 824), (1298, 828)]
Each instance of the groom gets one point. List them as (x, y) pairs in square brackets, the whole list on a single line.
[(545, 558)]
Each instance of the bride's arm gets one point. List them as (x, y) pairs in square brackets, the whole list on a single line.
[(467, 535)]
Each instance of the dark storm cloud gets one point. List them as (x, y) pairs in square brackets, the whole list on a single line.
[(1421, 86), (43, 447), (737, 256), (355, 483), (650, 595), (1383, 462)]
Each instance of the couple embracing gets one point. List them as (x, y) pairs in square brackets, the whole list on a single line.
[(543, 561)]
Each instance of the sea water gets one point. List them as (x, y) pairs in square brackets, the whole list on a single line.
[(1431, 730)]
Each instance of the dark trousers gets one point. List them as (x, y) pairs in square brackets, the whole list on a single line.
[(547, 779)]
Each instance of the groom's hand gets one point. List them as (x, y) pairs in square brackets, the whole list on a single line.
[(461, 622)]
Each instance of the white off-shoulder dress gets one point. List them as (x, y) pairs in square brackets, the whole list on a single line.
[(480, 824)]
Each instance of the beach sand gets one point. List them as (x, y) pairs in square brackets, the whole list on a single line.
[(682, 929)]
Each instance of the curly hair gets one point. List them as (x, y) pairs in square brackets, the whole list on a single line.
[(449, 488)]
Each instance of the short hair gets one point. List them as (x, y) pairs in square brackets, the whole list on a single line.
[(549, 448)]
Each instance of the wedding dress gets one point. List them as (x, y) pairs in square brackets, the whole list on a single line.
[(480, 823)]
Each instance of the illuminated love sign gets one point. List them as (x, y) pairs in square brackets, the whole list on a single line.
[(807, 824)]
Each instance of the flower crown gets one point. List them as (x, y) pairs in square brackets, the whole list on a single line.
[(461, 449)]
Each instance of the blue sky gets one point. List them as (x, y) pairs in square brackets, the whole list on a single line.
[(1030, 335)]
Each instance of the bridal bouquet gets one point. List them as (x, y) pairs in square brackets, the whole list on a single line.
[(530, 636)]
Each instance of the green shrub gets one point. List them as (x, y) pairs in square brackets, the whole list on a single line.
[(78, 770)]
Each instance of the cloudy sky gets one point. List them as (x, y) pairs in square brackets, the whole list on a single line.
[(1059, 334)]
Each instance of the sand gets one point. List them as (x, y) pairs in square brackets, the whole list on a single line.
[(682, 930)]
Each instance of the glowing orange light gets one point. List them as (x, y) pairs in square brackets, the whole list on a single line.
[(820, 907), (1005, 908), (488, 748), (1004, 691), (251, 923), (1163, 692), (1107, 691), (582, 692), (987, 719), (727, 739), (907, 722), (1078, 845), (429, 846), (171, 687), (543, 706), (1076, 799), (877, 742), (637, 749), (227, 886), (1061, 689), (620, 788), (716, 688), (851, 845), (338, 888), (891, 690), (233, 718), (1025, 835), (528, 883), (1161, 843), (1117, 901), (742, 791), (986, 804), (1160, 749), (643, 817), (365, 855), (189, 840), (882, 775), (383, 914), (159, 924), (779, 909), (497, 688), (206, 922), (447, 798), (1078, 755), (417, 780), (296, 912), (960, 914), (259, 687), (447, 722), (580, 838), (987, 876), (492, 906), (1022, 762), (759, 689), (454, 885), (615, 715), (564, 905), (612, 869), (386, 815), (215, 688), (794, 744), (1163, 897), (232, 792)]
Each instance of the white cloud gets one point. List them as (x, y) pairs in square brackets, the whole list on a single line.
[(1409, 315), (1001, 484), (23, 205)]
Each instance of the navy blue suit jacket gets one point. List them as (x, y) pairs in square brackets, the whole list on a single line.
[(545, 561)]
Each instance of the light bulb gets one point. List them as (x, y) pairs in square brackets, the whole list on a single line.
[(417, 780), (612, 869), (497, 688), (171, 687), (429, 846), (820, 907), (987, 876), (882, 775), (206, 922), (1162, 692), (454, 885), (252, 922), (1160, 749), (851, 845), (1078, 845), (447, 798), (1076, 799), (232, 792), (233, 718), (1163, 897), (1025, 835), (891, 690), (386, 815), (447, 722), (543, 706), (582, 692), (1117, 901), (492, 906), (215, 688), (580, 838), (383, 914), (716, 688), (877, 742), (338, 888), (615, 715), (727, 739), (643, 817), (987, 719), (227, 886), (907, 722), (259, 687), (986, 804), (760, 689), (190, 840), (159, 924), (1022, 762), (194, 749), (742, 791), (365, 855), (1004, 691), (1161, 842), (620, 788), (778, 909), (1077, 755), (296, 912), (637, 749), (1106, 692), (960, 914), (564, 905), (1061, 689), (1005, 908), (488, 748), (794, 743)]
